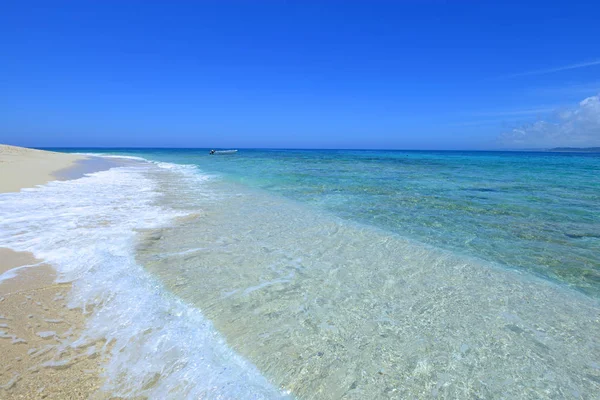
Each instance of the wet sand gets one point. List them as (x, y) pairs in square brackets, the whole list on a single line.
[(37, 328), (36, 332)]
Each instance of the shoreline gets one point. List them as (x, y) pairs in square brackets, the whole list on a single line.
[(37, 327), (158, 313), (152, 345)]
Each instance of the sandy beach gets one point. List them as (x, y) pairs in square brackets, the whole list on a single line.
[(36, 326), (23, 168)]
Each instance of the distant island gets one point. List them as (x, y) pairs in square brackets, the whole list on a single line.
[(576, 149)]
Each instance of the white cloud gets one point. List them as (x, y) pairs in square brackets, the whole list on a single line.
[(556, 69), (535, 111), (578, 127), (579, 89)]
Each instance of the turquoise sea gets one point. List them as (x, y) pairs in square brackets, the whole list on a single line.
[(532, 211), (331, 274)]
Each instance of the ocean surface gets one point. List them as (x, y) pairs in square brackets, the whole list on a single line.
[(529, 211), (330, 274)]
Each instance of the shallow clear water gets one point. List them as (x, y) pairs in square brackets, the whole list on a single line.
[(534, 211), (329, 275), (329, 309)]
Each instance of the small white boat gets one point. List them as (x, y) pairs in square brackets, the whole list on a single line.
[(223, 151)]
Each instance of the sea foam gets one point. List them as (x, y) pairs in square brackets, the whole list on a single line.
[(158, 346)]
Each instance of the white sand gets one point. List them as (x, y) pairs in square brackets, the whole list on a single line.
[(23, 168)]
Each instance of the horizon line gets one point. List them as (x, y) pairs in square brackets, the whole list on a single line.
[(533, 149)]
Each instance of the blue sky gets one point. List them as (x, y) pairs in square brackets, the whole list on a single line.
[(307, 74)]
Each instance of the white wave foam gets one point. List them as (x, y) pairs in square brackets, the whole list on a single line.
[(135, 158), (160, 347), (185, 168), (12, 273)]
